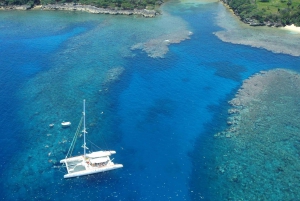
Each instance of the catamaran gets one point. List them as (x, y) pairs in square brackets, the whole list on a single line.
[(88, 163)]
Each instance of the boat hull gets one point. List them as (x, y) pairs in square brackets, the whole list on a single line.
[(93, 171), (66, 124)]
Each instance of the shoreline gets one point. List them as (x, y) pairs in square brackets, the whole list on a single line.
[(84, 8), (255, 22)]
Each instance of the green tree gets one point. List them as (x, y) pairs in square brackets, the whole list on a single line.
[(289, 3)]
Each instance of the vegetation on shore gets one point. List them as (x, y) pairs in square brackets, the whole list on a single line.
[(113, 4), (267, 12)]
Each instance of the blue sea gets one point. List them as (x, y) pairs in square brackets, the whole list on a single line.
[(156, 105)]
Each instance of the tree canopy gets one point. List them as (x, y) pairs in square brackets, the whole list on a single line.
[(284, 12)]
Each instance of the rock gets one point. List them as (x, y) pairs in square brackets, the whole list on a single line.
[(221, 169), (234, 178), (93, 9), (233, 111), (85, 8), (15, 7), (252, 22), (228, 135)]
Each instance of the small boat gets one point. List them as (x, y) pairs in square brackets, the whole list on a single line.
[(88, 163), (65, 124)]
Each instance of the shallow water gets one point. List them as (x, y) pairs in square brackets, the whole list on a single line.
[(257, 157), (277, 40), (155, 112)]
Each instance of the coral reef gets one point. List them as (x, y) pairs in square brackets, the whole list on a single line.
[(259, 153), (158, 47)]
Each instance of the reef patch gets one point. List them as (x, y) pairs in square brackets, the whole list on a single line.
[(158, 47), (258, 156)]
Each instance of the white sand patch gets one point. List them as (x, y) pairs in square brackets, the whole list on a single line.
[(292, 28)]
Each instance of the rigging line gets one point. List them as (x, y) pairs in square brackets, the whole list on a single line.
[(74, 138), (93, 144), (76, 135), (103, 139), (60, 170), (61, 167)]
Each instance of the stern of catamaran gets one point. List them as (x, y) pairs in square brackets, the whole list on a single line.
[(92, 170)]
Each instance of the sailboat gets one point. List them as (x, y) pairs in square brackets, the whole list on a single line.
[(88, 163)]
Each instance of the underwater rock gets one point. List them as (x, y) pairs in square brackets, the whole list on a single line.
[(228, 135), (113, 75), (233, 111)]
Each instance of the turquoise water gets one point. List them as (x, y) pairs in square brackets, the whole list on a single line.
[(156, 114)]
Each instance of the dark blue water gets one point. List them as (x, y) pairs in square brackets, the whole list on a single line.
[(157, 116)]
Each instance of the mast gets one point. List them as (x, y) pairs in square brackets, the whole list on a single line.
[(84, 128)]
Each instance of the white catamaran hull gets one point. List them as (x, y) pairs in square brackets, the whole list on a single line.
[(93, 171)]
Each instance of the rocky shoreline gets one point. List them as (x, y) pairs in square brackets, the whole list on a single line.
[(85, 8), (15, 7)]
